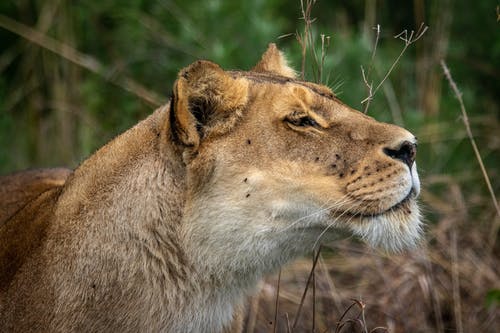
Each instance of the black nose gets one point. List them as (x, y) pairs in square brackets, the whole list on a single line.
[(405, 153)]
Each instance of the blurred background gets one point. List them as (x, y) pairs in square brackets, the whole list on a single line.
[(74, 74)]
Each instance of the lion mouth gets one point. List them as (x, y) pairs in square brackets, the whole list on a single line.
[(400, 205)]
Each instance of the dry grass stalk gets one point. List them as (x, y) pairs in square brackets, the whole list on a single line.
[(306, 42), (406, 293), (325, 44), (277, 303), (288, 327), (311, 274), (80, 59), (425, 283), (377, 36), (456, 282), (252, 313), (305, 39), (359, 320), (369, 86), (313, 329), (332, 290), (430, 52), (465, 118), (408, 38)]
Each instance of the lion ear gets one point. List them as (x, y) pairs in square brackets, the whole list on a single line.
[(274, 61), (206, 100)]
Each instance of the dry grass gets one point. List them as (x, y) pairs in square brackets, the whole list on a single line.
[(440, 288)]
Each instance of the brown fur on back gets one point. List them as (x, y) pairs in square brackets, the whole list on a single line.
[(18, 189), (24, 232)]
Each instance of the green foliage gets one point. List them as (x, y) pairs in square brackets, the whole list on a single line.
[(493, 298), (149, 41)]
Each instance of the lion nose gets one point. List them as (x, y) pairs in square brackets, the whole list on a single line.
[(405, 152)]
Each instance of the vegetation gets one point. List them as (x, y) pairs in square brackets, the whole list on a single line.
[(76, 73)]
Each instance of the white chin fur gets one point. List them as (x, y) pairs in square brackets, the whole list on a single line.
[(393, 232)]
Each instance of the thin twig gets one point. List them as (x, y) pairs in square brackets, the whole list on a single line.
[(310, 37), (305, 39), (80, 59), (306, 42), (331, 285), (302, 39), (436, 306), (369, 86), (288, 328), (313, 301), (408, 39), (341, 321), (253, 311), (276, 309), (456, 281), (297, 315), (377, 36), (390, 95), (465, 119), (363, 318), (324, 50)]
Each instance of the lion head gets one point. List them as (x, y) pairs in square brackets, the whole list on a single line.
[(289, 162)]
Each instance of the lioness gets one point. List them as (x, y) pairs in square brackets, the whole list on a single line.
[(171, 225)]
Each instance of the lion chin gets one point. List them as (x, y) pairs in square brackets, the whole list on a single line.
[(170, 226), (393, 231)]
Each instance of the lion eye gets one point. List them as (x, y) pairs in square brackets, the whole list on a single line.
[(303, 121)]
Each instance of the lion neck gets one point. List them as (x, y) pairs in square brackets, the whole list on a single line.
[(233, 248)]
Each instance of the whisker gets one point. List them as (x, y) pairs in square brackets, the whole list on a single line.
[(336, 204), (332, 223)]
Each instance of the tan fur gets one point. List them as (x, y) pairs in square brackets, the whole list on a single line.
[(171, 225), (18, 189), (274, 62)]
